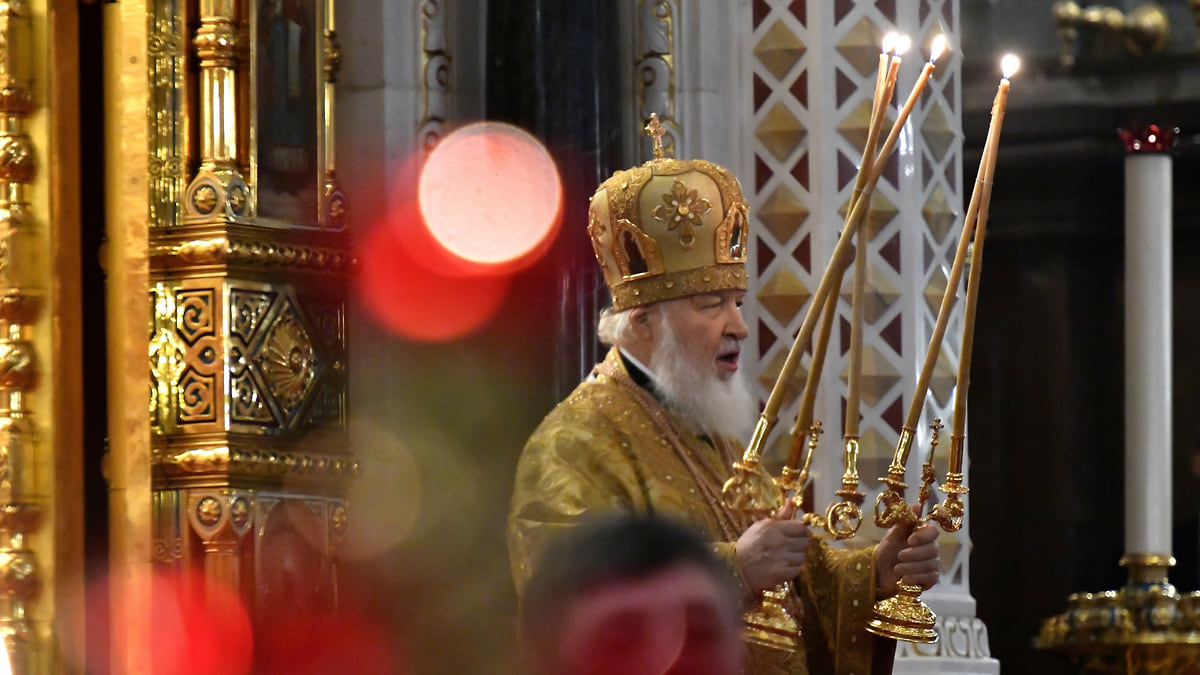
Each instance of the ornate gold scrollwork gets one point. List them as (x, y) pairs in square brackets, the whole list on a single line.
[(288, 361), (248, 343)]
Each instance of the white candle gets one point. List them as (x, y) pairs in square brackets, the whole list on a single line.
[(1148, 353)]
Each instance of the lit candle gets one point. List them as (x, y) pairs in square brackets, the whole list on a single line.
[(939, 45), (885, 81), (852, 395), (1009, 65), (902, 449), (836, 265), (885, 56)]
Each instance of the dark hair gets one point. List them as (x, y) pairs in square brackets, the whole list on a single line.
[(604, 551)]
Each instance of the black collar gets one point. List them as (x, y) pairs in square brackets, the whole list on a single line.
[(638, 374)]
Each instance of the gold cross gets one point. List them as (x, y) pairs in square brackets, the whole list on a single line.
[(936, 426), (656, 131)]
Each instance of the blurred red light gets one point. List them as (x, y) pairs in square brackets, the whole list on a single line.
[(415, 292)]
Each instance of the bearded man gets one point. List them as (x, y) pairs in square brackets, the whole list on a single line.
[(654, 429)]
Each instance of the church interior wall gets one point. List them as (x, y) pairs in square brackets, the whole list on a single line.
[(1046, 397)]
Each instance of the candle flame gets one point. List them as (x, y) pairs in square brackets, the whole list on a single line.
[(902, 44), (889, 42), (936, 49), (1009, 65)]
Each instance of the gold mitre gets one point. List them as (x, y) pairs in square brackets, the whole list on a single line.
[(669, 228)]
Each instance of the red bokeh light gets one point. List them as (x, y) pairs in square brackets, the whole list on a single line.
[(490, 194), (414, 289), (319, 642), (195, 626), (199, 626)]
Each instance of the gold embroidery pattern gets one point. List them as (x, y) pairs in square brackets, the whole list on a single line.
[(651, 262), (650, 289), (682, 209)]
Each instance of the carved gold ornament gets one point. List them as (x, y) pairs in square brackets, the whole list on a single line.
[(288, 361), (682, 209)]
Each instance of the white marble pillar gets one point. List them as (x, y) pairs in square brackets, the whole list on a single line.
[(1148, 343)]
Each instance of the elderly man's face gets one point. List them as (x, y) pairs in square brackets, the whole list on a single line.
[(709, 330)]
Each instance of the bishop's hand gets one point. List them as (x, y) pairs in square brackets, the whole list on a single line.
[(908, 554), (772, 550)]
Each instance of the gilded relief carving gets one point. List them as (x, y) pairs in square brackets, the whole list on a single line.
[(166, 42), (167, 550), (249, 265), (275, 361), (249, 308), (249, 403), (259, 463), (435, 62), (239, 250), (195, 314), (332, 52), (196, 394), (288, 361), (655, 67)]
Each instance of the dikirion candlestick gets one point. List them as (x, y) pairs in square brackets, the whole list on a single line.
[(838, 260), (905, 616)]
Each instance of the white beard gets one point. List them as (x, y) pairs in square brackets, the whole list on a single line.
[(704, 401)]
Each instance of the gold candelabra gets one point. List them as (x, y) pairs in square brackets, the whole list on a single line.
[(1144, 628), (751, 488), (905, 616)]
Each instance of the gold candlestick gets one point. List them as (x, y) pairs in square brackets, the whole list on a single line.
[(949, 513), (750, 487), (905, 616), (885, 81), (928, 473), (769, 415)]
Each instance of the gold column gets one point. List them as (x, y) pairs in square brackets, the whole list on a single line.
[(63, 579), (129, 182), (219, 190), (23, 503), (333, 201)]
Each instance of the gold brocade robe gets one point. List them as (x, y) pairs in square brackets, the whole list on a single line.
[(611, 447)]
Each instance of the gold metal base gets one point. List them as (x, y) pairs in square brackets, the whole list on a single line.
[(904, 616), (770, 624)]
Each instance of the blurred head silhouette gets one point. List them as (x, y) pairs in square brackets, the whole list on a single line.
[(632, 595)]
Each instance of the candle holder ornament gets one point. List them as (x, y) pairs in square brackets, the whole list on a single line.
[(905, 616), (751, 489), (1147, 626), (1144, 628)]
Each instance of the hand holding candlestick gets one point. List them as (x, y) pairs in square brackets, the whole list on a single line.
[(905, 616)]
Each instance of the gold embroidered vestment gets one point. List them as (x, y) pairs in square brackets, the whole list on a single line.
[(610, 447)]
